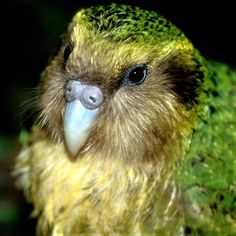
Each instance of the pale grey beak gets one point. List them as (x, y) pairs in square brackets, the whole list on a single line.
[(82, 105)]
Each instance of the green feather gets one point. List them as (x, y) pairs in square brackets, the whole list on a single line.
[(208, 174)]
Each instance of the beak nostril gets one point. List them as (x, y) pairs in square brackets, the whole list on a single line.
[(92, 99), (90, 96)]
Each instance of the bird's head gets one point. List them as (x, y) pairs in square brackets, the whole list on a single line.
[(125, 83)]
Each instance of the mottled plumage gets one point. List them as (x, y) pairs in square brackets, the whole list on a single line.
[(156, 154)]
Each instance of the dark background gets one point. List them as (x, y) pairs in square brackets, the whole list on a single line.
[(29, 32)]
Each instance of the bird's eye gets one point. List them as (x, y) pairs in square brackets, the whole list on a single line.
[(67, 51), (135, 75)]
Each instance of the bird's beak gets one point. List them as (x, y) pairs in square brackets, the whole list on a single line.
[(82, 105)]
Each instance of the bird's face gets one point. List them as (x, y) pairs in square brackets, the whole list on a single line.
[(123, 91)]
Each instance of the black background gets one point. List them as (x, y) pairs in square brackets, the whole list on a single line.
[(29, 31)]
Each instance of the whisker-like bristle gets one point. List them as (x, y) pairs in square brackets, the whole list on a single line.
[(28, 107)]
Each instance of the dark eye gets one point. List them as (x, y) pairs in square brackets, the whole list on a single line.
[(135, 74), (67, 51)]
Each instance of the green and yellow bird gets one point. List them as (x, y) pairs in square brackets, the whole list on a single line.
[(136, 133)]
